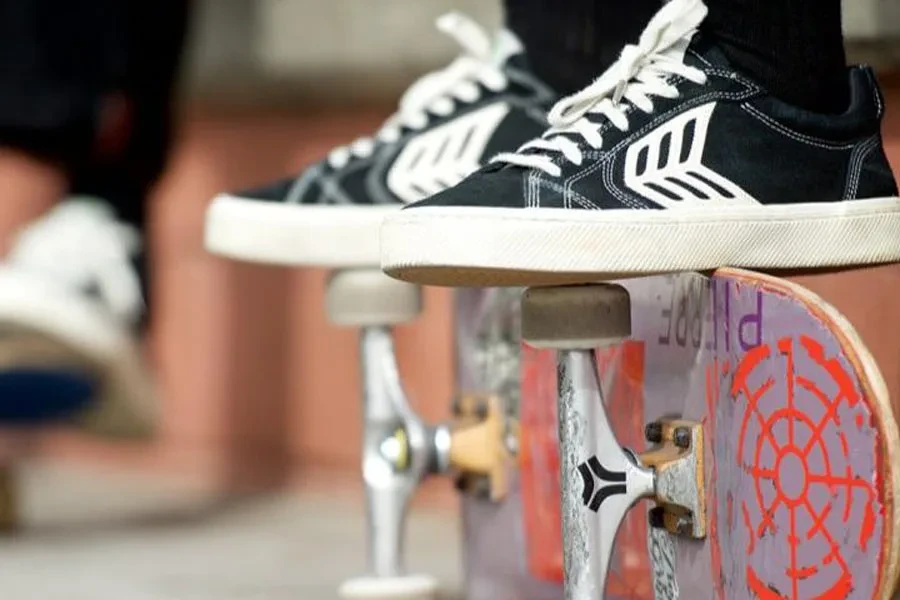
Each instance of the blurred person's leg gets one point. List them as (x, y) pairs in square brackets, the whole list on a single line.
[(84, 95), (85, 100), (570, 42), (795, 48), (133, 136), (54, 55)]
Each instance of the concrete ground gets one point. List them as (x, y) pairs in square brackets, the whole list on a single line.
[(94, 535)]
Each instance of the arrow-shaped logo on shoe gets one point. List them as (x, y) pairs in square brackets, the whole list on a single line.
[(615, 483)]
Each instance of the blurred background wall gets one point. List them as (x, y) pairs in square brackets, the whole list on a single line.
[(257, 389), (370, 49)]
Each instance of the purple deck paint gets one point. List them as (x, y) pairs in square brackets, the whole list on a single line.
[(791, 452)]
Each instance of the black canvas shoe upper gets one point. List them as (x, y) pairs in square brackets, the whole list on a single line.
[(683, 128), (448, 125), (671, 161)]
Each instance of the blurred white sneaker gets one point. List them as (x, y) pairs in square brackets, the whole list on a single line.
[(71, 302)]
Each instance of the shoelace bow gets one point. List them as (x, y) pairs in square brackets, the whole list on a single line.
[(436, 93), (641, 72)]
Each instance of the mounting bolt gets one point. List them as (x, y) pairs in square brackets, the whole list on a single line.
[(682, 437), (456, 406), (653, 432), (481, 487), (482, 409), (657, 517)]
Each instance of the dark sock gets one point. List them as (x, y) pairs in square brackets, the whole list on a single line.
[(571, 42), (795, 48)]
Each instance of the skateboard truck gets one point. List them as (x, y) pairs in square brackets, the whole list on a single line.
[(679, 489), (399, 449), (601, 481)]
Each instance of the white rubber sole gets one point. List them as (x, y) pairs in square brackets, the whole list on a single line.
[(492, 247), (334, 235)]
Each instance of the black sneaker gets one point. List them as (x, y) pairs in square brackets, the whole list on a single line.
[(448, 124), (671, 161), (71, 308)]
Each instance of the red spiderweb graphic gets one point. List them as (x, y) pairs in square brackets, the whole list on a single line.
[(783, 449)]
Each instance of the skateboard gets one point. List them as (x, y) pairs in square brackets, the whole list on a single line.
[(719, 436)]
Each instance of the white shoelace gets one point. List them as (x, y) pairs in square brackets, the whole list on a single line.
[(436, 93), (79, 244), (641, 72)]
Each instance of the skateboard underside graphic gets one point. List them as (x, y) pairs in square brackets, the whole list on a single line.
[(798, 462)]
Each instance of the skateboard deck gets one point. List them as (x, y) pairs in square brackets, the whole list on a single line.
[(800, 455), (488, 362)]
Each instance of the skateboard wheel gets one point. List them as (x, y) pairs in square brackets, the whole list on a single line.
[(367, 298), (409, 587), (576, 317)]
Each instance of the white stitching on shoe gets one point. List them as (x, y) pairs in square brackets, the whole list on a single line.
[(796, 136), (854, 173)]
